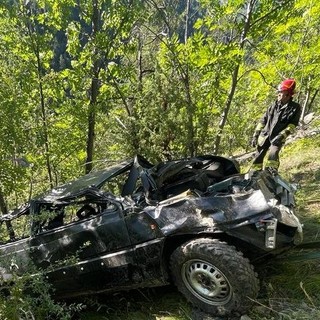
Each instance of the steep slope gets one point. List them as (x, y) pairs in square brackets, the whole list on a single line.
[(291, 285), (300, 164)]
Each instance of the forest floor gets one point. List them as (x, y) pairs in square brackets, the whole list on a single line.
[(290, 287)]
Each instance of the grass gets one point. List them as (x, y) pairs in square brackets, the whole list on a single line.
[(149, 304), (290, 289)]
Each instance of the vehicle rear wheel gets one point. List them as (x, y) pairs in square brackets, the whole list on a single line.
[(214, 276)]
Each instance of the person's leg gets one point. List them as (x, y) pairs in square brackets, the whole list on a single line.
[(257, 163), (273, 158)]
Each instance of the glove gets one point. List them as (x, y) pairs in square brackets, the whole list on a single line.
[(278, 140), (254, 140)]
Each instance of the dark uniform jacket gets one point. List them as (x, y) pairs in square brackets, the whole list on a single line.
[(278, 117)]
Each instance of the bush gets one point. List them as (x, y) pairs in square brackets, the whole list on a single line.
[(29, 297)]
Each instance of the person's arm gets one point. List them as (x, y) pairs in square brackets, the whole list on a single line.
[(292, 124), (261, 124)]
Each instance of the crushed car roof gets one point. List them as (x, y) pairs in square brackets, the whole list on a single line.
[(154, 178)]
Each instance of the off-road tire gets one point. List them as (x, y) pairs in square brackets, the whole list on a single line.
[(214, 276)]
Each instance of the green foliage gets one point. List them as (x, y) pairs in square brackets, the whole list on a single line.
[(30, 297), (163, 76)]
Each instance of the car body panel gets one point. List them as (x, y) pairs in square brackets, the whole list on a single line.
[(125, 239)]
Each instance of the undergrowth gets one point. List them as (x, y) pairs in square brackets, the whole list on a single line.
[(290, 287), (29, 297)]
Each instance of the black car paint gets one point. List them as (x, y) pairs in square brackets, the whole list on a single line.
[(123, 246)]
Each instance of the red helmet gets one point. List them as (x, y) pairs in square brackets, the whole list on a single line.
[(287, 85)]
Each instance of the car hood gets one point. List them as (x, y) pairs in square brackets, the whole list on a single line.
[(188, 211)]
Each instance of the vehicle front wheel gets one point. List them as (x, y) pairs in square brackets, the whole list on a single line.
[(214, 276)]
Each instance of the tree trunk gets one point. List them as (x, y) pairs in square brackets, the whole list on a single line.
[(226, 109), (4, 211), (45, 134), (304, 106), (94, 92), (186, 81), (312, 100), (40, 73)]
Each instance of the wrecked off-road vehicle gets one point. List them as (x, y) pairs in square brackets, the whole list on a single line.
[(196, 222)]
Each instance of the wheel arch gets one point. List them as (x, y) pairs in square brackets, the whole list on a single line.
[(174, 241)]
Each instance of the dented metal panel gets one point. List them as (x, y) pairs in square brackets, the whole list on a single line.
[(91, 240)]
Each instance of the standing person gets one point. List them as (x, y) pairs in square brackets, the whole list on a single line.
[(280, 120)]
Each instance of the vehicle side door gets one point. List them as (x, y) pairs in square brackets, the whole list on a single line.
[(85, 255)]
